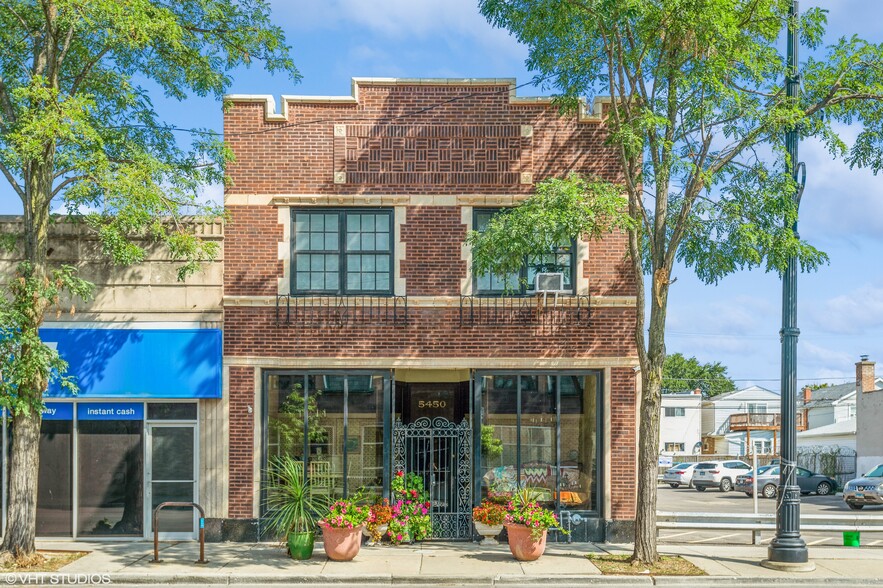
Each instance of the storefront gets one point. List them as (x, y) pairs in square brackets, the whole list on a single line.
[(130, 438), (480, 433)]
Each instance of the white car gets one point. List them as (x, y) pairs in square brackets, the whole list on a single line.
[(718, 474), (680, 474)]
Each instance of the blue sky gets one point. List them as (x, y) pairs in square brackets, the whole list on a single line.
[(840, 307)]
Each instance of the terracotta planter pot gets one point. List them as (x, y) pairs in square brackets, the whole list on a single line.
[(488, 532), (522, 545), (341, 544)]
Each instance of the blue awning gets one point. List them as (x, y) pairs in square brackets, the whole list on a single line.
[(139, 363)]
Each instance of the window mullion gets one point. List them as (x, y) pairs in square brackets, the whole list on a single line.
[(341, 252)]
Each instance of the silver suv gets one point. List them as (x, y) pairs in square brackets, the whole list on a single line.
[(718, 474), (865, 490)]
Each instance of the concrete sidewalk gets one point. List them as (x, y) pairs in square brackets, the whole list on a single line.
[(434, 563)]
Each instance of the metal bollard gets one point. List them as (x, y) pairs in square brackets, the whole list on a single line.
[(156, 558)]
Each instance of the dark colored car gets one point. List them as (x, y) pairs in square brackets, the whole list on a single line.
[(745, 482), (809, 482)]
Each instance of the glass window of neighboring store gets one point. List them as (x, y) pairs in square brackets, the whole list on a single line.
[(541, 431), (55, 477), (110, 469), (333, 419)]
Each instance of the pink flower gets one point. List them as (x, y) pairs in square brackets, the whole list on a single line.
[(399, 537)]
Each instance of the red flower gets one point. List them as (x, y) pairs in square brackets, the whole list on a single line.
[(400, 473)]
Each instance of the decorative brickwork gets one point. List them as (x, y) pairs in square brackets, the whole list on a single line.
[(432, 151), (427, 155), (303, 158)]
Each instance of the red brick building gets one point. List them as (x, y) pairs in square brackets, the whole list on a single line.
[(349, 297)]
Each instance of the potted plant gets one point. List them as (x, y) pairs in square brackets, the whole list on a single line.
[(488, 519), (527, 525), (342, 529), (378, 520), (291, 507), (410, 509)]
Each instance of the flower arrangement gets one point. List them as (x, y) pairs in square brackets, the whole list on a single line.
[(346, 514), (410, 509), (381, 516), (491, 513), (533, 516)]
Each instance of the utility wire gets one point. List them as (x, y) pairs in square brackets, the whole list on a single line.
[(383, 119)]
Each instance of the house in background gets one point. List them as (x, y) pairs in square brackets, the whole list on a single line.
[(834, 404), (743, 422), (869, 413), (680, 423), (830, 414)]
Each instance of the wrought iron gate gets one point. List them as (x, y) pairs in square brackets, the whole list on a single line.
[(440, 452)]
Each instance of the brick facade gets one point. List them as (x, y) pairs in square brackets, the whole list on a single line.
[(428, 150)]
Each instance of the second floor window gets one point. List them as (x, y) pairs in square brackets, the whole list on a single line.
[(675, 411), (558, 260), (342, 251), (757, 407)]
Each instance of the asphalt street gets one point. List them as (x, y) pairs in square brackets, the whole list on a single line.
[(689, 500)]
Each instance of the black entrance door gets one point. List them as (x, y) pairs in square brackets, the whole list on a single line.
[(433, 439)]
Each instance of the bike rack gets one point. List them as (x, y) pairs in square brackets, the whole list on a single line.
[(156, 558)]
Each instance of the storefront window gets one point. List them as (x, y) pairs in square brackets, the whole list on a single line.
[(521, 436), (55, 481), (325, 432), (342, 433), (538, 447), (111, 472), (364, 438), (579, 442), (499, 435)]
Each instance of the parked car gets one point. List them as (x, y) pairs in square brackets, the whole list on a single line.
[(809, 482), (719, 474), (865, 490), (680, 474), (745, 482)]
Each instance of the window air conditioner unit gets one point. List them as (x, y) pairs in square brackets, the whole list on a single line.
[(549, 282)]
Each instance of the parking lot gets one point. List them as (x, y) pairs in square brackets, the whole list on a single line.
[(713, 501)]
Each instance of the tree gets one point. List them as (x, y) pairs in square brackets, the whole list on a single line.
[(681, 374), (77, 125), (697, 119)]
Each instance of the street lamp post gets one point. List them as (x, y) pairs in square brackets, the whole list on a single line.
[(788, 549)]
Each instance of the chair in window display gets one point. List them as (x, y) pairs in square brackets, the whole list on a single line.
[(319, 474)]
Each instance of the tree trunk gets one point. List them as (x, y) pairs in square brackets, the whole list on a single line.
[(21, 518), (648, 433), (648, 456)]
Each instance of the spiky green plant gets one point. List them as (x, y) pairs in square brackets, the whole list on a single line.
[(291, 506)]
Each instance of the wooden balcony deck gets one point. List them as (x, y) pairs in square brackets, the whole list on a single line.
[(770, 421)]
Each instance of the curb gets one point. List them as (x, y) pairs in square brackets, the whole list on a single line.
[(132, 579)]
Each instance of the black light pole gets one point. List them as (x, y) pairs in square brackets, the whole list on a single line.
[(788, 549)]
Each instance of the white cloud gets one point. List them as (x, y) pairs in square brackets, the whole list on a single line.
[(856, 312), (823, 359), (838, 202)]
